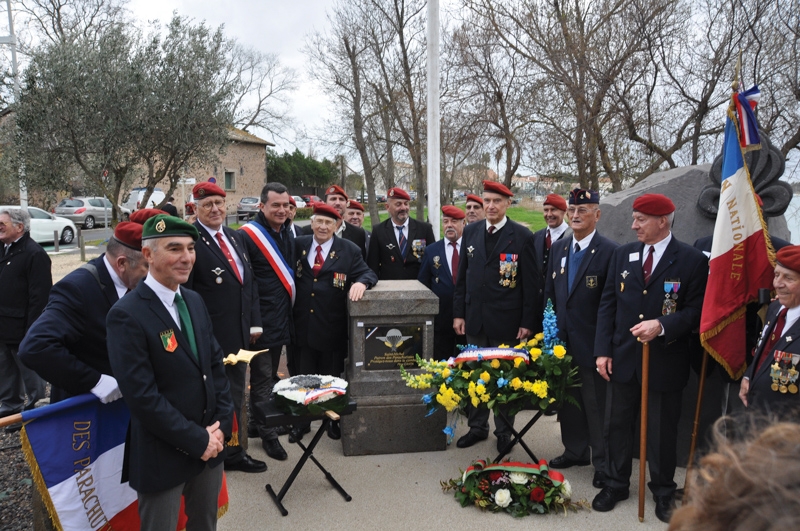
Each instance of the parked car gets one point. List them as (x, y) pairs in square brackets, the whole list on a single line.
[(133, 201), (44, 225), (299, 200), (380, 198), (247, 207), (310, 200), (88, 211)]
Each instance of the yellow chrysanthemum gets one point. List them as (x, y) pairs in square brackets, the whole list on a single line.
[(443, 388), (495, 363), (486, 377), (535, 353), (471, 386), (480, 389), (484, 398), (559, 351), (516, 383), (518, 362), (540, 388), (475, 401), (503, 346), (465, 375), (521, 345), (445, 373), (527, 386)]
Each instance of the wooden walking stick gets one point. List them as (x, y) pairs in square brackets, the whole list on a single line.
[(700, 388), (643, 429)]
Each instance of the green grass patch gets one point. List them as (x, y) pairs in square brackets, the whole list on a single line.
[(532, 219)]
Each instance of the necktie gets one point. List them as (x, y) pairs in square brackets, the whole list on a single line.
[(577, 248), (186, 322), (492, 228), (772, 339), (454, 261), (6, 248), (647, 268), (318, 261), (228, 256), (401, 240), (547, 241)]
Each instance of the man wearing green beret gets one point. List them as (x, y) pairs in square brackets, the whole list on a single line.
[(170, 371)]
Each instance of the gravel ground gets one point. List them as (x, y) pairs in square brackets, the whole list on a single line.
[(16, 486)]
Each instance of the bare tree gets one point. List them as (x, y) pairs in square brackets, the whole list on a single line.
[(69, 20)]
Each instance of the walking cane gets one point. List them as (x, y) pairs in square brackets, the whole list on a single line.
[(643, 429), (698, 408)]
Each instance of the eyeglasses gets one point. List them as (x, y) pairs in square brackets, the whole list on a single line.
[(209, 205), (579, 211)]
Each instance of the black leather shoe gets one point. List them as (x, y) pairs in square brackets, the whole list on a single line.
[(599, 480), (283, 430), (469, 439), (607, 498), (274, 449), (252, 431), (334, 430), (247, 464), (664, 507), (562, 461), (296, 433), (502, 442)]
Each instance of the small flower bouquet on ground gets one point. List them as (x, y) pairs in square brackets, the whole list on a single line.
[(517, 488)]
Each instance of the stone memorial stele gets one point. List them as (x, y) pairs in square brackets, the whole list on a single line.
[(390, 325)]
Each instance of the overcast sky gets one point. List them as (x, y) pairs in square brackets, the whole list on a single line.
[(275, 26)]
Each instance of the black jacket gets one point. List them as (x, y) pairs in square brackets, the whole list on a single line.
[(25, 282), (384, 254)]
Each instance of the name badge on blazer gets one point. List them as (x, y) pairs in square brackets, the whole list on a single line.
[(169, 340)]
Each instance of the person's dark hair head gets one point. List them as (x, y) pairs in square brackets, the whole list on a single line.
[(278, 188)]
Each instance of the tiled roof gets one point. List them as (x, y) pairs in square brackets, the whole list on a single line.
[(237, 135)]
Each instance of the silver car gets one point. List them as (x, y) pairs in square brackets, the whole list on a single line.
[(44, 226), (88, 211)]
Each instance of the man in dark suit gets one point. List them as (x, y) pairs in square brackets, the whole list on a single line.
[(25, 283), (554, 210), (270, 249), (493, 302), (336, 197), (170, 371), (354, 215), (169, 208), (398, 244), (770, 382), (222, 277), (474, 208), (67, 344), (329, 271), (438, 270), (575, 280), (654, 294)]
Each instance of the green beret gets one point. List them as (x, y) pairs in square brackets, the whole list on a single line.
[(164, 225)]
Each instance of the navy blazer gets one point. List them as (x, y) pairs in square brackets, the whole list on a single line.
[(357, 235), (67, 345), (576, 308), (320, 313), (233, 306), (384, 255), (761, 394), (436, 275), (172, 396), (626, 301), (539, 241), (488, 307)]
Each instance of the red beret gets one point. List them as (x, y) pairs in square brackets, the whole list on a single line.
[(292, 201), (335, 189), (206, 189), (453, 212), (654, 205), (398, 193), (355, 205), (475, 198), (556, 201), (325, 210), (140, 216), (497, 188), (129, 234), (789, 257)]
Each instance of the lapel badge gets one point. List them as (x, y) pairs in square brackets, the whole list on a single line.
[(621, 287), (304, 252), (591, 282), (625, 274), (436, 262), (332, 255), (168, 340), (390, 246), (218, 271), (788, 339), (469, 251)]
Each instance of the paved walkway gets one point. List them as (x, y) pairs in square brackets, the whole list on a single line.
[(401, 491)]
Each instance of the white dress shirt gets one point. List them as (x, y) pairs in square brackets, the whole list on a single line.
[(231, 247), (396, 232), (499, 225), (558, 231), (658, 251), (448, 251), (166, 295), (326, 248)]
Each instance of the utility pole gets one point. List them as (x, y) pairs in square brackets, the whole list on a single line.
[(434, 162), (11, 40)]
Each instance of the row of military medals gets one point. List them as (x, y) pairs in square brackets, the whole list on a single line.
[(784, 372), (508, 270), (671, 288)]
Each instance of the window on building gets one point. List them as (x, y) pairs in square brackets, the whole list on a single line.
[(230, 180)]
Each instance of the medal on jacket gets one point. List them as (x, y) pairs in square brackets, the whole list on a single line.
[(299, 273), (671, 287), (508, 270), (339, 280), (168, 340), (436, 262), (563, 263), (469, 251), (218, 271), (418, 248), (784, 372)]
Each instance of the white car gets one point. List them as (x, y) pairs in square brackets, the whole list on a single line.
[(299, 201), (44, 226)]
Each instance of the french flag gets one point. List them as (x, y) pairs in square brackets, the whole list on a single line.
[(75, 451), (742, 258)]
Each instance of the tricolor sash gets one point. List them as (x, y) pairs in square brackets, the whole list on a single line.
[(258, 233)]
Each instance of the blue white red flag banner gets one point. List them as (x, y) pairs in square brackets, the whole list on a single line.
[(75, 450), (269, 249), (742, 258)]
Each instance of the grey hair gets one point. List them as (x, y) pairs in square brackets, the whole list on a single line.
[(116, 249), (150, 243), (671, 218), (19, 216)]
